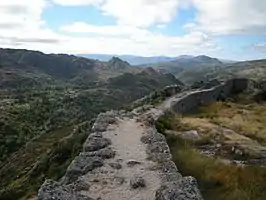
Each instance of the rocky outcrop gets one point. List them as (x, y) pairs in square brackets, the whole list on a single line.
[(125, 157)]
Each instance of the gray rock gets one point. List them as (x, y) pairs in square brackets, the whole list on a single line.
[(159, 147), (170, 177), (137, 182), (104, 120), (115, 165), (96, 143), (106, 153), (159, 157), (99, 127), (80, 185), (167, 167), (81, 165), (119, 180), (51, 190), (132, 163), (151, 138), (184, 189)]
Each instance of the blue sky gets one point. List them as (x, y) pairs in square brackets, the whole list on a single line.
[(229, 29)]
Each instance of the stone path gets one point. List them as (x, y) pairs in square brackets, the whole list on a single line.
[(124, 158), (113, 180)]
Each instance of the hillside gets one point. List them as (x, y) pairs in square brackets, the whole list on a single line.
[(250, 69), (47, 104), (222, 145), (218, 137), (31, 68)]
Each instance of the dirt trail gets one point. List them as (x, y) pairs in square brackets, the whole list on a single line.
[(108, 183)]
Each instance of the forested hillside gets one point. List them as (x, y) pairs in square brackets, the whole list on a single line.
[(47, 103)]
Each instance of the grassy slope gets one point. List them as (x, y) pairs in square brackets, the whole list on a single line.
[(218, 180)]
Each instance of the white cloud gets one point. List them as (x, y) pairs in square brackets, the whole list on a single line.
[(115, 39), (139, 13), (21, 22), (147, 45), (26, 29), (222, 17), (141, 41), (17, 13), (219, 17), (112, 30)]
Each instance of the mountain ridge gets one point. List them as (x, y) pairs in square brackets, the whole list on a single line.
[(137, 60)]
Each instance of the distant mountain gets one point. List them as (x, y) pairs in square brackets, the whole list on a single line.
[(184, 63), (192, 62), (248, 69), (117, 64), (186, 60), (26, 68), (132, 60)]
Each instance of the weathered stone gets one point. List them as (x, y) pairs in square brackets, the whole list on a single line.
[(170, 177), (96, 135), (132, 163), (100, 127), (159, 147), (51, 190), (160, 157), (115, 165), (96, 143), (137, 182), (119, 180), (81, 165), (106, 153), (104, 120), (152, 138), (80, 185), (167, 167), (184, 189)]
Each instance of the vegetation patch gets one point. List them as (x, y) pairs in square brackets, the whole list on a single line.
[(231, 127), (218, 180)]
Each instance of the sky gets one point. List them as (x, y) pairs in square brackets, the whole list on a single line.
[(229, 29)]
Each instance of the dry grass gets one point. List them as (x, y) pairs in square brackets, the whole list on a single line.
[(248, 120), (217, 180)]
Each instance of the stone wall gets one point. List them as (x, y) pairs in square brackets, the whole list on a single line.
[(195, 99)]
